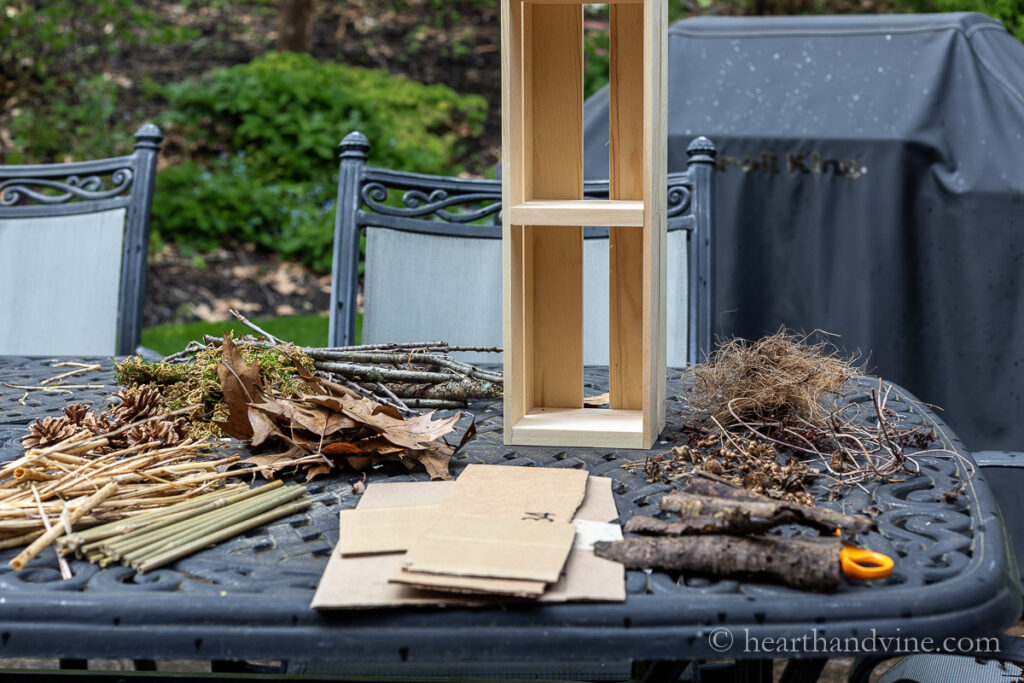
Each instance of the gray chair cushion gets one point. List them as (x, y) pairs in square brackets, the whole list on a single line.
[(59, 283)]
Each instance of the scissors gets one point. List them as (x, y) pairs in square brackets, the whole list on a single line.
[(863, 564)]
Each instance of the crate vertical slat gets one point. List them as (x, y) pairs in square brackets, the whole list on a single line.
[(544, 214), (626, 246)]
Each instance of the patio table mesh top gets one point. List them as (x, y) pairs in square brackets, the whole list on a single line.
[(248, 598)]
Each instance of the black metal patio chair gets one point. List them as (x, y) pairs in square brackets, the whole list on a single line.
[(73, 240), (433, 258)]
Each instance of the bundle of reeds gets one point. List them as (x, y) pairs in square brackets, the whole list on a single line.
[(157, 538), (75, 484)]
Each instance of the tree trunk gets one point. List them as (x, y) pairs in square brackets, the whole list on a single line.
[(295, 25)]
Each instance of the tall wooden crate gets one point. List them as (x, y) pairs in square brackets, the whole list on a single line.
[(544, 213)]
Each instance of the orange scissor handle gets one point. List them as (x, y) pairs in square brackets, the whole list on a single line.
[(859, 563)]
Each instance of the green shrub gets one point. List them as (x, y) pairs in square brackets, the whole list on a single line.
[(199, 207), (263, 138), (288, 112)]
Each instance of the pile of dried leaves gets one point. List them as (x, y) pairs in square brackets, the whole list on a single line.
[(322, 424)]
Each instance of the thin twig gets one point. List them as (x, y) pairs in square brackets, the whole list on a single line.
[(254, 327)]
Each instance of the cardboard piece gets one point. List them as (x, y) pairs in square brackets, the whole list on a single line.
[(404, 493), (362, 582), (383, 529), (497, 490), (501, 522), (498, 546)]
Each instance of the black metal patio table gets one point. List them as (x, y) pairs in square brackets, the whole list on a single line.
[(248, 599)]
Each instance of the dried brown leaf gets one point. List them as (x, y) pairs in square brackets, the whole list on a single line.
[(317, 470), (435, 460), (240, 383)]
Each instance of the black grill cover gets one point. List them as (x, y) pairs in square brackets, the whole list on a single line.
[(870, 179)]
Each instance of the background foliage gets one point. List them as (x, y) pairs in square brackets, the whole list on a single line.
[(260, 142), (250, 144)]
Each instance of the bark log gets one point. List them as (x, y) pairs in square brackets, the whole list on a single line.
[(705, 495), (807, 564)]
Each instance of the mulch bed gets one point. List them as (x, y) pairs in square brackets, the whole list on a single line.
[(256, 283)]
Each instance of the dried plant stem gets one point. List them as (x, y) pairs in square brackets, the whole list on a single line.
[(65, 569), (81, 369), (76, 513)]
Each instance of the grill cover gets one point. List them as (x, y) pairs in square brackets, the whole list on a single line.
[(869, 184)]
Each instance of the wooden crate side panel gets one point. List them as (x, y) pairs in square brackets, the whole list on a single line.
[(516, 390), (555, 121), (626, 174), (654, 174)]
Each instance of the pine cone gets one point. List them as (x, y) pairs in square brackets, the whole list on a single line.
[(48, 431), (137, 403), (97, 424), (76, 412), (166, 432)]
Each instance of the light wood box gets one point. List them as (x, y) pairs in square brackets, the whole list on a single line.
[(543, 215)]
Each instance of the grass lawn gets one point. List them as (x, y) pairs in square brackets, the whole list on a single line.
[(304, 330)]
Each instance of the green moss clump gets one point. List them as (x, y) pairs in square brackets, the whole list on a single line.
[(196, 382)]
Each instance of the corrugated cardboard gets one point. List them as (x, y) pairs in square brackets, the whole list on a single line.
[(404, 493), (504, 523), (499, 546), (362, 582), (496, 490), (384, 529)]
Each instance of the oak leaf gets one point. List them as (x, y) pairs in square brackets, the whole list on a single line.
[(240, 384)]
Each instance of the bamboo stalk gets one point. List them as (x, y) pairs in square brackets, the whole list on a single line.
[(149, 535), (184, 519), (79, 511), (211, 521), (132, 523), (151, 563)]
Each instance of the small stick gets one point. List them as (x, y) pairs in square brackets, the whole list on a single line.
[(65, 568), (80, 370), (253, 326), (434, 403), (15, 541), (373, 373), (63, 387), (391, 395), (27, 555)]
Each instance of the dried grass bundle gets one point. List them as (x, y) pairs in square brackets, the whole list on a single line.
[(783, 375)]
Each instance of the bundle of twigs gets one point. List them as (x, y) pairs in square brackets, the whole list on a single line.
[(80, 482), (158, 538), (784, 393), (403, 375)]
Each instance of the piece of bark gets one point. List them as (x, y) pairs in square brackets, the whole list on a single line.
[(807, 564), (740, 510)]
